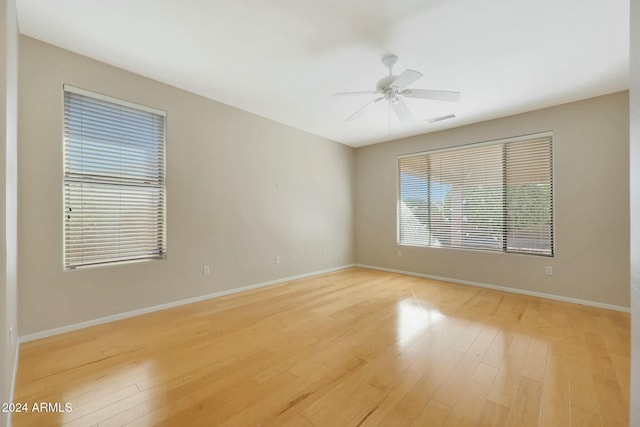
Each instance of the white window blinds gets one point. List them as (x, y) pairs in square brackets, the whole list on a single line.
[(491, 196), (114, 180)]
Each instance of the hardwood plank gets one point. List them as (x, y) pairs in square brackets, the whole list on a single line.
[(433, 414), (505, 386), (403, 406), (469, 406), (145, 414), (483, 341), (622, 366), (525, 411), (613, 410), (582, 418), (456, 384), (298, 421), (535, 363), (497, 350), (582, 387), (286, 404), (493, 415), (556, 400)]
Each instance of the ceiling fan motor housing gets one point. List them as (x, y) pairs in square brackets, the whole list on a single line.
[(389, 61)]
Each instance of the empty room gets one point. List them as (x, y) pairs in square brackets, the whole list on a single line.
[(338, 213)]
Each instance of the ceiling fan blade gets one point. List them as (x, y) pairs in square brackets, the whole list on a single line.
[(366, 92), (363, 109), (406, 78), (438, 95), (402, 111)]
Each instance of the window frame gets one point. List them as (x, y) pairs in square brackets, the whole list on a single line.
[(126, 182), (501, 142)]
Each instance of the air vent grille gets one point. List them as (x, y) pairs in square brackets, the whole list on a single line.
[(441, 118)]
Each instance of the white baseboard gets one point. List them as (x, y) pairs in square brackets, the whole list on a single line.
[(107, 319), (503, 288)]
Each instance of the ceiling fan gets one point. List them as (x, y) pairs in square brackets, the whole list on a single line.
[(393, 88)]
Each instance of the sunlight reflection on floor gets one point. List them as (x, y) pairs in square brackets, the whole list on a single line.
[(413, 319)]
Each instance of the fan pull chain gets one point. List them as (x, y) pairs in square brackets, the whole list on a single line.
[(389, 120)]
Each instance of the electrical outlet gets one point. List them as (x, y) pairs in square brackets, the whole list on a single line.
[(399, 252), (548, 270), (324, 252), (206, 270), (277, 259)]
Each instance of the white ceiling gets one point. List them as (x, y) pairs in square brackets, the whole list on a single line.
[(282, 59)]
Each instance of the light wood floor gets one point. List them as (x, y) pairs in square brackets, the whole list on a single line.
[(351, 348)]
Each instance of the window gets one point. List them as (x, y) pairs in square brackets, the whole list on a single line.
[(494, 196), (114, 180)]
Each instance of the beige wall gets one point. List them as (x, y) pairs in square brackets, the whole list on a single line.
[(634, 154), (241, 190), (8, 198), (591, 205)]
